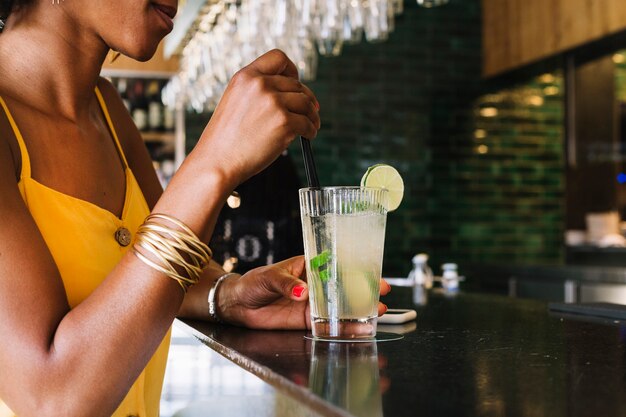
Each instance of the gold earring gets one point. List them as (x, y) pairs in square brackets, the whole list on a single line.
[(113, 55)]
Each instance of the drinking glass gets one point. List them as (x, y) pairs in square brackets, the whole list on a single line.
[(344, 236)]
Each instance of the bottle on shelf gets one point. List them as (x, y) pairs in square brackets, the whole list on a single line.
[(122, 88), (139, 106), (169, 119), (155, 107), (163, 162), (142, 97)]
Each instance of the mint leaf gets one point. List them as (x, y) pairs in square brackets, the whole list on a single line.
[(319, 265), (324, 275), (320, 260)]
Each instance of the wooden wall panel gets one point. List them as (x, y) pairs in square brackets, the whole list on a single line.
[(519, 32)]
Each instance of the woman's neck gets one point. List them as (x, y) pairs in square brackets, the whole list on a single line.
[(49, 62)]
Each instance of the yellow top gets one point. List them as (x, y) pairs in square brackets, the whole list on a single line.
[(81, 238)]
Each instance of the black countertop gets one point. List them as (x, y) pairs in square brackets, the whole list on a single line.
[(466, 355)]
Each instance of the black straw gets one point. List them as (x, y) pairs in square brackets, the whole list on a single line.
[(309, 164)]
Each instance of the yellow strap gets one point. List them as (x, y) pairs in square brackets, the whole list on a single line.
[(105, 110), (26, 171), (20, 140)]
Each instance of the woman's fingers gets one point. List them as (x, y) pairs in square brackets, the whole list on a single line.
[(300, 103), (303, 126), (296, 115), (287, 279), (382, 308), (294, 266), (291, 85), (287, 285), (385, 288), (275, 62), (297, 98)]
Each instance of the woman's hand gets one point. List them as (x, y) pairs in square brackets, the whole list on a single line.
[(262, 110), (268, 297), (272, 297)]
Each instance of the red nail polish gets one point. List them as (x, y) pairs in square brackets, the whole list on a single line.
[(317, 104), (298, 290)]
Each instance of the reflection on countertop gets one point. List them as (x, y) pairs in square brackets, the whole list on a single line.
[(201, 382), (471, 355), (197, 378)]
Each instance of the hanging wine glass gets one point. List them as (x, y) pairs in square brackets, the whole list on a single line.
[(398, 7), (328, 20), (431, 3), (353, 22), (232, 33), (376, 20)]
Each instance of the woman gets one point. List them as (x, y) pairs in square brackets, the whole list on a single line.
[(88, 286)]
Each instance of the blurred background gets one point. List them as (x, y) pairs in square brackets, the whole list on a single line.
[(505, 119)]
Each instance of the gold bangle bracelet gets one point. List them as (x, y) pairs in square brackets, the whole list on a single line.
[(189, 244), (172, 249), (178, 242), (186, 229), (169, 258), (170, 253), (184, 285)]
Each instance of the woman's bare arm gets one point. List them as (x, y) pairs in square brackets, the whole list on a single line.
[(51, 357), (57, 361), (195, 304)]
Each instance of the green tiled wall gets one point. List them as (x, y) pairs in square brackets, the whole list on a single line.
[(619, 58), (414, 102), (388, 103), (511, 178)]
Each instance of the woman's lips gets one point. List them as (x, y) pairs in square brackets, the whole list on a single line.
[(166, 13)]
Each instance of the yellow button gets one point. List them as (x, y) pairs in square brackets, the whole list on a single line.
[(123, 236)]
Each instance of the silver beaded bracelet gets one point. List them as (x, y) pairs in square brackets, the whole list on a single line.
[(211, 299)]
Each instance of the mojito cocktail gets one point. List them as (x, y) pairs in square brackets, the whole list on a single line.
[(344, 237)]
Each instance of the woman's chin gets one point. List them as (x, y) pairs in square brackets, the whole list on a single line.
[(141, 54), (144, 56)]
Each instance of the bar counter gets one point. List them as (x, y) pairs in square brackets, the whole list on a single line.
[(465, 355)]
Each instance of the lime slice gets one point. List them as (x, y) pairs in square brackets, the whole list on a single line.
[(385, 176)]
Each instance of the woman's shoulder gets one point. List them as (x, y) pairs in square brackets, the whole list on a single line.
[(109, 93)]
